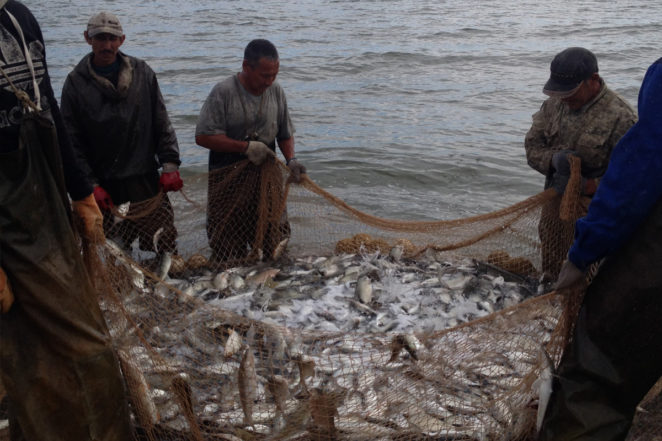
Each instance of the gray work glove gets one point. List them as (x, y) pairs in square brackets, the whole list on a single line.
[(258, 152), (569, 275), (296, 169)]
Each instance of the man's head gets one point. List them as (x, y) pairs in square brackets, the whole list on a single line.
[(573, 77), (104, 33), (260, 66)]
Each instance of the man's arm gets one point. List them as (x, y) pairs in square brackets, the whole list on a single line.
[(538, 151), (631, 185), (287, 147), (73, 132)]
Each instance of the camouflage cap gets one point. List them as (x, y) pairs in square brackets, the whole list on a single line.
[(104, 23), (568, 69)]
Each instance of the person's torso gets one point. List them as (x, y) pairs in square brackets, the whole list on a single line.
[(590, 131), (247, 117), (115, 124)]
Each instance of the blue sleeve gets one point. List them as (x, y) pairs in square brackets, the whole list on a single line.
[(632, 184)]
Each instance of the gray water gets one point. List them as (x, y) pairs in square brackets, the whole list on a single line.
[(405, 109)]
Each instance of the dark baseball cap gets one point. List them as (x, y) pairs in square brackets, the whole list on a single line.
[(567, 71)]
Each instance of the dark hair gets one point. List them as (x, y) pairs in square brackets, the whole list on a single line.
[(260, 48)]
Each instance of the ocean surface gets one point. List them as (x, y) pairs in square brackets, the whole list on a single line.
[(405, 109)]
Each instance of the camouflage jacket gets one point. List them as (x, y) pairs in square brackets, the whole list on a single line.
[(592, 132)]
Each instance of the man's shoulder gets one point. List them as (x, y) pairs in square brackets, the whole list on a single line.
[(276, 88), (81, 69), (614, 103), (224, 87), (19, 10), (136, 63)]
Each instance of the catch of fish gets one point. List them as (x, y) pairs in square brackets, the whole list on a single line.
[(352, 346)]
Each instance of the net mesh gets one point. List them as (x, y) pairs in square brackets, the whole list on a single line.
[(196, 370)]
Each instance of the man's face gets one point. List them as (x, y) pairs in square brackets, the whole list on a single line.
[(261, 76), (587, 90), (104, 48)]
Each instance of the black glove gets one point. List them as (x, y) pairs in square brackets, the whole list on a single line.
[(569, 275), (559, 182), (561, 163), (296, 169)]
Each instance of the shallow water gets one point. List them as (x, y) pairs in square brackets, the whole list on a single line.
[(404, 109)]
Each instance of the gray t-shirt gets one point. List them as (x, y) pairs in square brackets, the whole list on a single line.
[(232, 111)]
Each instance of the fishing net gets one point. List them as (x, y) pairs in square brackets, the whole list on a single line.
[(196, 370)]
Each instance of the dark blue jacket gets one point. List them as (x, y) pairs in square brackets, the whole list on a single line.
[(632, 184)]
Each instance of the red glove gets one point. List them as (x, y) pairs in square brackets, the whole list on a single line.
[(103, 199), (171, 181), (6, 295)]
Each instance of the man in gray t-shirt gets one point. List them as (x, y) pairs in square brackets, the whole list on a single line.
[(244, 117)]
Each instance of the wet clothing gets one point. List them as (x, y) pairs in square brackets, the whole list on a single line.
[(232, 215), (61, 375), (12, 61), (122, 134), (122, 131), (591, 132), (233, 111), (615, 355)]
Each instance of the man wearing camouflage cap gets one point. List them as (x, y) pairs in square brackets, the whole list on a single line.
[(584, 118), (116, 116)]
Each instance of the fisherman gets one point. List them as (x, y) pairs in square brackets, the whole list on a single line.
[(584, 118), (61, 376), (244, 117), (115, 113), (615, 355)]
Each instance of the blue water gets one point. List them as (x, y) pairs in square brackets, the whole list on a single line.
[(405, 109)]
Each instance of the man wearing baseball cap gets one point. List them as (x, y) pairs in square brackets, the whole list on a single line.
[(581, 117), (116, 116)]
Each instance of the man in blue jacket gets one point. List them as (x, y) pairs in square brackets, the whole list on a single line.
[(615, 355)]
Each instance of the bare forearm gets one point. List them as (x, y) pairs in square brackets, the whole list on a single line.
[(287, 147), (221, 143)]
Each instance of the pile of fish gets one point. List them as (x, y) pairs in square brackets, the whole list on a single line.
[(361, 346), (363, 293)]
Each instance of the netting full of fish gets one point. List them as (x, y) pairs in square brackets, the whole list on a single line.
[(285, 314)]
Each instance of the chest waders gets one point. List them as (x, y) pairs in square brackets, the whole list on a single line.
[(615, 356), (62, 378)]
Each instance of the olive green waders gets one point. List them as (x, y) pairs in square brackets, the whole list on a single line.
[(615, 355), (62, 378)]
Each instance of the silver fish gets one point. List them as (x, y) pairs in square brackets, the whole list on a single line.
[(155, 239), (278, 388), (221, 281), (306, 367), (139, 392), (247, 381), (363, 290), (165, 261), (544, 385), (260, 278), (232, 344), (280, 248)]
